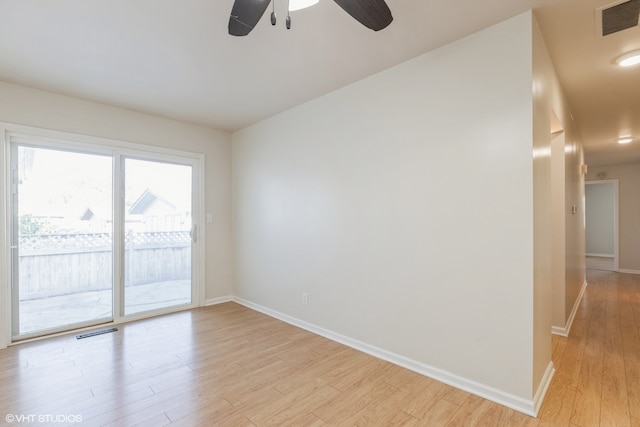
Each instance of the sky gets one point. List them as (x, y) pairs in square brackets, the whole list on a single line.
[(64, 183)]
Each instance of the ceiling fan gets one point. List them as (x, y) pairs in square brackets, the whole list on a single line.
[(245, 14)]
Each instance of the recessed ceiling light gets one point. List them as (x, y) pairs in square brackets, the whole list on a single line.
[(301, 4), (625, 140), (629, 59)]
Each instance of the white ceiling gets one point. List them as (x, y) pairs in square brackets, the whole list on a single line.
[(175, 58), (604, 98)]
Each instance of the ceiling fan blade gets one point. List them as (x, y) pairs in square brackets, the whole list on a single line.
[(374, 14), (245, 15)]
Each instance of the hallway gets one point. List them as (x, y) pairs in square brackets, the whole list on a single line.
[(597, 381)]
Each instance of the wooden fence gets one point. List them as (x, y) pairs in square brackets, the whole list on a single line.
[(51, 265)]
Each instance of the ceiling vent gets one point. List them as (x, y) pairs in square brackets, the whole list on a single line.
[(618, 17)]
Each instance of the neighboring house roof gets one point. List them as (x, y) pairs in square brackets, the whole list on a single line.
[(146, 200), (87, 215)]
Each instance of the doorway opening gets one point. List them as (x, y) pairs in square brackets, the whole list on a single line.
[(601, 225)]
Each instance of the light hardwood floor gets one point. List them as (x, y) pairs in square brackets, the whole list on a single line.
[(227, 365)]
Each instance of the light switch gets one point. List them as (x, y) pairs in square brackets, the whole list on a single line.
[(209, 217)]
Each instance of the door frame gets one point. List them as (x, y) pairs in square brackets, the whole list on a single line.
[(120, 226), (96, 145), (616, 217)]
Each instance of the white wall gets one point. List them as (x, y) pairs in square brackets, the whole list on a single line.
[(26, 106), (564, 151), (628, 176), (373, 200), (543, 209), (575, 277), (600, 219), (559, 238)]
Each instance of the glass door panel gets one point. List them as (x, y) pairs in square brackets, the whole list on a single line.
[(63, 239), (157, 235)]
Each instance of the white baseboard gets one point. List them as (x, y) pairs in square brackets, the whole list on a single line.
[(627, 271), (543, 388), (565, 330), (219, 300), (602, 255), (528, 407)]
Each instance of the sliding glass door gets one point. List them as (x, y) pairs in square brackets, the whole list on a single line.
[(98, 236), (158, 237), (62, 239)]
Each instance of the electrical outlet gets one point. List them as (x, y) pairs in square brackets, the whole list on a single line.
[(305, 298)]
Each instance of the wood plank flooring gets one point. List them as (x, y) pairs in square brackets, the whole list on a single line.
[(229, 366)]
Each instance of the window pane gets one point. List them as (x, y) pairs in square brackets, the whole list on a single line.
[(65, 238), (157, 250)]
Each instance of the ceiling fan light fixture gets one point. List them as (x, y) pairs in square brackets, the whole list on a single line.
[(629, 59), (301, 4)]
